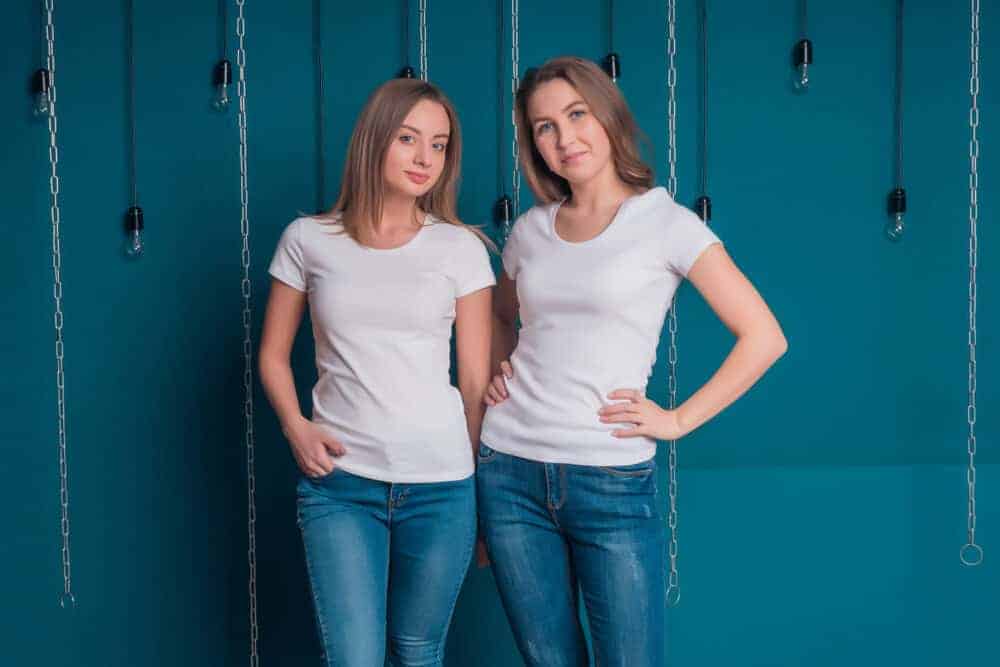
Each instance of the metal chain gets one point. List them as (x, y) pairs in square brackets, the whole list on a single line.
[(971, 553), (320, 106), (673, 582), (423, 40), (515, 81), (241, 88), (66, 599), (704, 95)]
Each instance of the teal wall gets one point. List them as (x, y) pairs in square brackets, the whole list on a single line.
[(821, 516)]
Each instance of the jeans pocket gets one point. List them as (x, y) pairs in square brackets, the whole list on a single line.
[(485, 453), (642, 469)]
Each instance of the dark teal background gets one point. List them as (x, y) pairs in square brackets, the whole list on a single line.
[(821, 516)]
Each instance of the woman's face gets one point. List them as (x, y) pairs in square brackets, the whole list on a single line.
[(569, 138), (416, 155)]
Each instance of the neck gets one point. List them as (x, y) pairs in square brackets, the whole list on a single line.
[(398, 212), (603, 190)]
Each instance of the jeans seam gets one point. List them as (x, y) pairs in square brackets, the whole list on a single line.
[(312, 587)]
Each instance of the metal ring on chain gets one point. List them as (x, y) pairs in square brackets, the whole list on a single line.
[(971, 553), (673, 580), (66, 600), (241, 61)]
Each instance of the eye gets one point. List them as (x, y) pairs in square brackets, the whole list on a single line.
[(406, 138), (543, 127), (577, 113), (440, 147)]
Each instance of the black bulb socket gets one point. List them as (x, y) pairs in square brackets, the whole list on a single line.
[(223, 73), (703, 207), (406, 73), (613, 65), (503, 210), (897, 201), (802, 54), (133, 219), (40, 81)]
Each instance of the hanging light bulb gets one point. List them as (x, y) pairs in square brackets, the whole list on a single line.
[(803, 58), (897, 207), (503, 212), (221, 78), (613, 66), (40, 87), (703, 207), (133, 233)]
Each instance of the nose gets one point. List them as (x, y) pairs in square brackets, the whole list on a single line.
[(420, 156), (564, 136)]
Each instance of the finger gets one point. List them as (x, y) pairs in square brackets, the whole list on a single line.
[(615, 408), (487, 399), (507, 369), (501, 386), (633, 395), (494, 393), (333, 446), (629, 433), (623, 418)]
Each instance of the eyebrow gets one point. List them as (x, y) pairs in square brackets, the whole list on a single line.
[(416, 131), (564, 110)]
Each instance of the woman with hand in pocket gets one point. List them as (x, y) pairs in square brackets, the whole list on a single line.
[(386, 501)]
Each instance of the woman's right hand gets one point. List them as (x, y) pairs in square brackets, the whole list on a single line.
[(496, 392), (313, 447)]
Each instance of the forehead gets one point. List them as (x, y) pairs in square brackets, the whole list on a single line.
[(429, 117), (551, 97)]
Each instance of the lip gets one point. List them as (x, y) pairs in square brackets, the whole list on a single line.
[(574, 158), (417, 177)]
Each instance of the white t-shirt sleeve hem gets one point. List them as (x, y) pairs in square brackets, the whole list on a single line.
[(288, 280), (687, 263)]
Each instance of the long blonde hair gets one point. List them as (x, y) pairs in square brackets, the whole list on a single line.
[(607, 105), (362, 187)]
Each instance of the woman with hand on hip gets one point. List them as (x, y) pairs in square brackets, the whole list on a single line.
[(566, 474), (386, 503)]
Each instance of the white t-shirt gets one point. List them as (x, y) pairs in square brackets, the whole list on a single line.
[(382, 322), (591, 316)]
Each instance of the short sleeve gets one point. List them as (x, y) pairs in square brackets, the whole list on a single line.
[(471, 266), (686, 237), (287, 265), (510, 254)]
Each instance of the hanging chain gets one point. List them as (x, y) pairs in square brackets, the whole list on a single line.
[(972, 553), (241, 88), (320, 106), (704, 96), (673, 583), (515, 57), (67, 600), (423, 40)]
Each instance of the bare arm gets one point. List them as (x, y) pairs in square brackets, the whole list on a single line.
[(759, 343), (505, 309), (311, 445), (472, 344)]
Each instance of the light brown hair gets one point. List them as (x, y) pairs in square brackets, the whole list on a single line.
[(609, 108), (362, 187)]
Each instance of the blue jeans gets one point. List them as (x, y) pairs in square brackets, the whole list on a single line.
[(385, 565), (553, 527)]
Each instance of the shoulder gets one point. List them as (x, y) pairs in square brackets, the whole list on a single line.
[(533, 222)]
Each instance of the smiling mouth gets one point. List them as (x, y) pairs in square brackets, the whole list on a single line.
[(419, 179), (570, 159)]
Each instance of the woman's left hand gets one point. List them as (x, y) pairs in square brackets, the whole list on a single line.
[(646, 417)]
